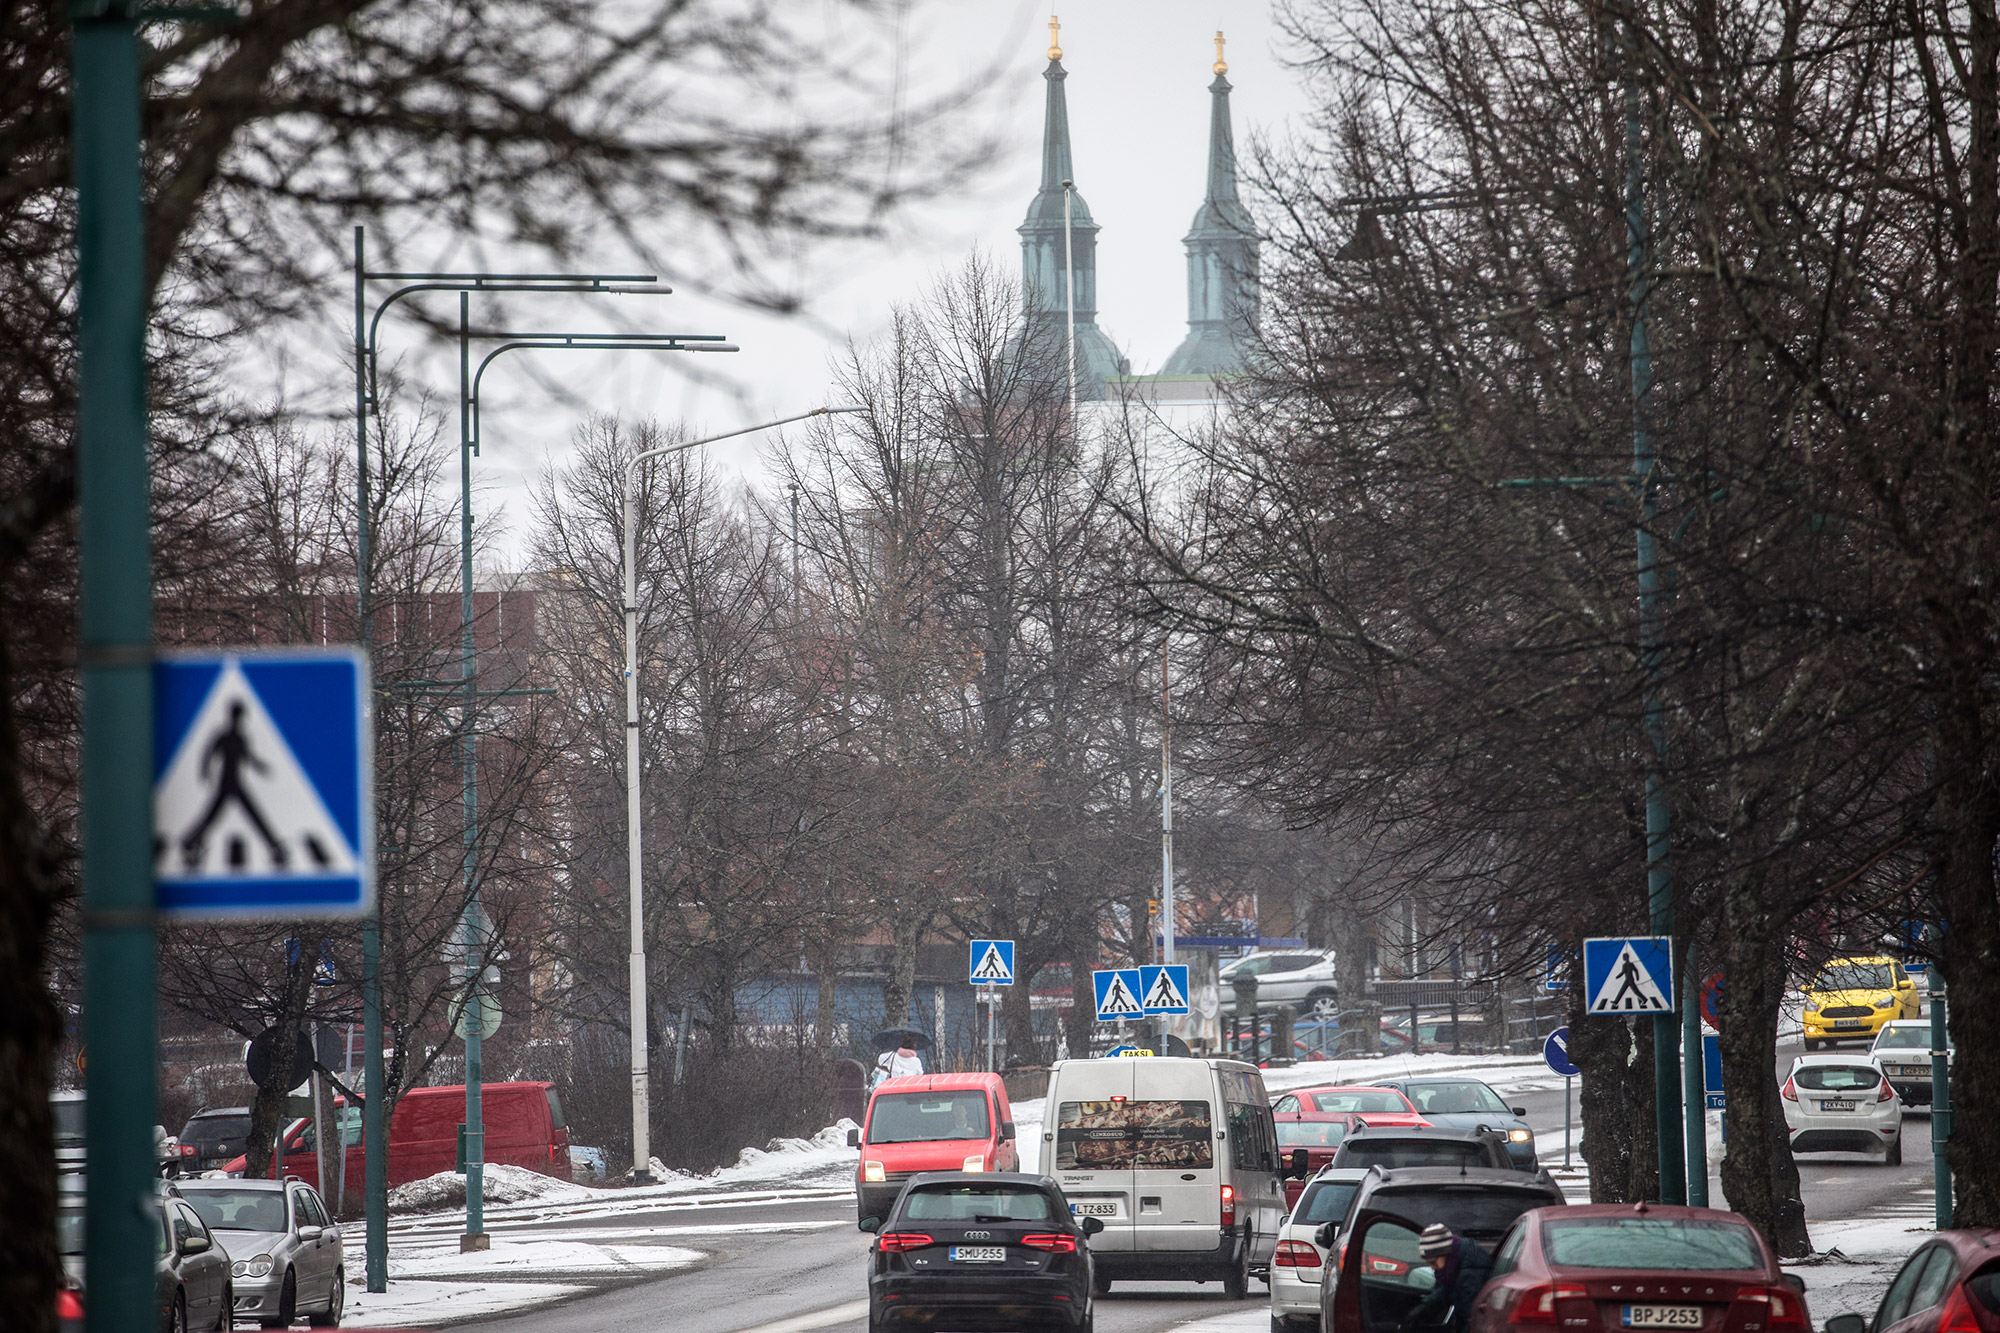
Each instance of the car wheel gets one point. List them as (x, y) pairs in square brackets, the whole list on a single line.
[(335, 1299), (288, 1304), (1099, 1281), (177, 1319), (1894, 1157), (225, 1318), (1811, 1045), (1236, 1282), (1322, 1006)]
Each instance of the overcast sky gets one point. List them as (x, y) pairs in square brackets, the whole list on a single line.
[(1138, 103)]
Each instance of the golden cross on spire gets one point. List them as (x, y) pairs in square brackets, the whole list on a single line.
[(1221, 65), (1055, 26)]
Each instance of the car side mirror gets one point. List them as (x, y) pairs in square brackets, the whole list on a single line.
[(1090, 1226), (1006, 1129), (1847, 1323), (870, 1224), (311, 1232), (854, 1138), (194, 1245), (1521, 1111), (1300, 1163), (1796, 1282), (1324, 1237)]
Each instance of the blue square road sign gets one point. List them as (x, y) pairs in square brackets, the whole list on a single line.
[(1629, 976), (1118, 993), (990, 963), (1163, 990)]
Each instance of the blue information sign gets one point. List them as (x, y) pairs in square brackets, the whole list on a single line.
[(1556, 1052), (1633, 975), (991, 963), (1118, 994)]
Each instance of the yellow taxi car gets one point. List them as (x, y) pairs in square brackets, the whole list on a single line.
[(1852, 998)]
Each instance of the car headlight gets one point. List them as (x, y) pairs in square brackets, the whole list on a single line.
[(257, 1267), (977, 1162), (1885, 1002), (873, 1173), (1812, 1006), (1520, 1136)]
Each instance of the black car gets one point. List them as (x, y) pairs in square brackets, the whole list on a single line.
[(977, 1250), (216, 1135), (1406, 1146), (1480, 1203)]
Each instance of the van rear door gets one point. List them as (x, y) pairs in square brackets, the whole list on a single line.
[(1175, 1184), (1092, 1158)]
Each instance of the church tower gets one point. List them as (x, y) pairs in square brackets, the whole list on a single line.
[(1044, 275), (1222, 256)]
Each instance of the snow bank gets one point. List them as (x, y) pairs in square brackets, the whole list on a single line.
[(502, 1184)]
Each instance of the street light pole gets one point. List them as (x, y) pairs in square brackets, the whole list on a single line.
[(1069, 292), (641, 1077)]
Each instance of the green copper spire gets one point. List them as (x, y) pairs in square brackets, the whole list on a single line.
[(1044, 279), (1222, 250)]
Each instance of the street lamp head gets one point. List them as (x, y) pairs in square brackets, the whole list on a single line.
[(707, 347)]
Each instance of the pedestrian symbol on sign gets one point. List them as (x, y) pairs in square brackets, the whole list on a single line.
[(1117, 994), (1629, 976), (1165, 989)]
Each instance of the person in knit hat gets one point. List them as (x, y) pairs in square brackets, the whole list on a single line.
[(1462, 1267)]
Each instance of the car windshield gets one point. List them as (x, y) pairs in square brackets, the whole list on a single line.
[(69, 1120), (1836, 1078), (1412, 1152), (977, 1203), (209, 1128), (1475, 1209), (1854, 976), (1459, 1097), (238, 1209), (1311, 1133), (1377, 1100), (927, 1117), (1325, 1201), (69, 1230), (1649, 1242), (1904, 1039)]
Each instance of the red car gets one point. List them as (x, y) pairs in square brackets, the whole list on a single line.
[(1319, 1135), (1343, 1098), (1585, 1268), (1950, 1285)]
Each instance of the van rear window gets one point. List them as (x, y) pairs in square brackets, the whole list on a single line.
[(555, 1109), (927, 1117), (1127, 1136)]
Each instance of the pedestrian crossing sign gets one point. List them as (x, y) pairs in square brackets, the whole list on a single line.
[(1632, 975), (1163, 990), (991, 963), (1118, 994), (263, 800)]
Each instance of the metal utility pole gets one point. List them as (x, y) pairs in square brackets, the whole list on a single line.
[(1069, 290), (1167, 916), (634, 842), (1941, 1112), (114, 665), (475, 1237)]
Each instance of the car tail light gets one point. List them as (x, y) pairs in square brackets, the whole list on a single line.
[(1888, 1091), (1054, 1243), (69, 1305), (187, 1150), (1295, 1254), (872, 1173), (1229, 1205), (1787, 1308), (1788, 1092), (1958, 1316), (895, 1242), (1538, 1303)]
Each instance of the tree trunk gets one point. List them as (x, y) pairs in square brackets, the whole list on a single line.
[(267, 1112), (1017, 1006), (1361, 1018), (1760, 1178), (1971, 954), (1615, 1103), (909, 933)]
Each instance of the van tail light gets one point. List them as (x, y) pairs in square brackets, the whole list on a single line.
[(1788, 1092), (1054, 1243), (1229, 1205), (895, 1242), (69, 1304), (1538, 1303), (1295, 1254), (1787, 1309), (1958, 1315)]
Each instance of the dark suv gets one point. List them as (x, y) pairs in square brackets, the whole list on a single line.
[(978, 1250), (1403, 1146), (216, 1136)]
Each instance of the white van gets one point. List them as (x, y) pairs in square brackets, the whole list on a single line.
[(1177, 1157)]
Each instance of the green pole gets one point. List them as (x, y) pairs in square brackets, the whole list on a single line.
[(474, 937), (115, 592), (1940, 1100), (374, 1138), (1694, 1085), (1659, 819)]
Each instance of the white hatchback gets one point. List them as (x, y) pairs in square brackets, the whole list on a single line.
[(1300, 1262), (1843, 1103)]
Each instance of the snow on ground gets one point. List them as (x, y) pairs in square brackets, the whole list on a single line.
[(427, 1304), (542, 1256), (503, 1184)]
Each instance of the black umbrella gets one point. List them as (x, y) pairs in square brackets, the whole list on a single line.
[(888, 1039)]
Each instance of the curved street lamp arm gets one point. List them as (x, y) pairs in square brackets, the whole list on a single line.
[(589, 342)]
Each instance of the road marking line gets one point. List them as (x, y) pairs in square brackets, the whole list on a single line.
[(833, 1314)]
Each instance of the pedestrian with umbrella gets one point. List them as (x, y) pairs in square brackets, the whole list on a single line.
[(898, 1058)]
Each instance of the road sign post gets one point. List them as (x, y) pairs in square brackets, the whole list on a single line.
[(990, 963)]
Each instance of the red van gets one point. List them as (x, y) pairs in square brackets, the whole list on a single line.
[(931, 1122), (524, 1127)]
